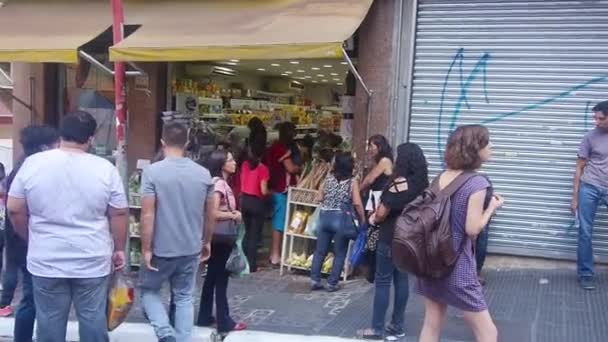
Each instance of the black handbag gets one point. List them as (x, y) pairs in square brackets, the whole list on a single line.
[(225, 230)]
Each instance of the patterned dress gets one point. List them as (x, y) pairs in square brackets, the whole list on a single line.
[(462, 288)]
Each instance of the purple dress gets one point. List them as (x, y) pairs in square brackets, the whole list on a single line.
[(460, 289)]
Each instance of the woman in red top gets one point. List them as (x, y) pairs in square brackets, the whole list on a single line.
[(254, 188)]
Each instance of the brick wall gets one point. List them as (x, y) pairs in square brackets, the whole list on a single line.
[(375, 66)]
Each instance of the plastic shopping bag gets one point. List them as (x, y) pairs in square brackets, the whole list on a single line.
[(237, 263), (312, 225), (120, 300), (358, 255)]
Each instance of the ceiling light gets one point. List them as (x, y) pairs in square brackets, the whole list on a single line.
[(288, 72), (275, 64), (234, 60), (323, 80), (344, 63), (301, 70), (336, 79), (307, 77), (320, 75), (260, 69), (340, 84), (231, 63), (294, 62), (315, 82), (284, 74), (224, 69), (315, 68), (334, 74), (328, 66)]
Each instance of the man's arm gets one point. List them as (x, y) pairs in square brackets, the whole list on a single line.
[(19, 215), (148, 214), (580, 167), (119, 223)]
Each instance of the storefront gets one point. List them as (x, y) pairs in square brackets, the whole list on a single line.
[(528, 70)]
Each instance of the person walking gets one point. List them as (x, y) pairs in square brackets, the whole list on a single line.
[(222, 165), (339, 192), (33, 139), (468, 147), (410, 179), (590, 190), (283, 169), (76, 238), (254, 188), (177, 215)]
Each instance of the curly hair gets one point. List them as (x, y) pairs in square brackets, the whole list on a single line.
[(411, 164), (464, 144), (384, 148)]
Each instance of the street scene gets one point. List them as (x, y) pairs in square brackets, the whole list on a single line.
[(327, 170)]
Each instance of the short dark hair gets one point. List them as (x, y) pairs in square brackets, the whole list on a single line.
[(344, 164), (34, 138), (384, 148), (601, 107), (78, 127), (175, 134), (464, 144), (216, 161)]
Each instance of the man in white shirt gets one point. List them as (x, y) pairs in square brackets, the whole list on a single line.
[(72, 208)]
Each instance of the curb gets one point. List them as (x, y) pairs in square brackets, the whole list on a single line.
[(129, 332)]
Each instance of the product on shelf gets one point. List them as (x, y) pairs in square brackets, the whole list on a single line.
[(315, 177), (133, 226), (298, 221)]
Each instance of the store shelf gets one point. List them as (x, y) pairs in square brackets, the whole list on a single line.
[(135, 236), (311, 126), (303, 236), (312, 205), (131, 206), (135, 265), (302, 135)]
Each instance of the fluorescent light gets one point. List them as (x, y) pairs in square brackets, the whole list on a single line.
[(324, 81), (334, 74), (320, 75), (224, 69), (294, 62), (284, 74), (234, 60), (315, 68), (340, 84), (315, 82), (300, 70), (336, 79), (260, 69), (288, 72), (328, 66), (275, 64), (307, 77), (344, 63)]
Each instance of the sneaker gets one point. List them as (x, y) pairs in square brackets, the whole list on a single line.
[(333, 288), (393, 334), (587, 283), (316, 286), (6, 311)]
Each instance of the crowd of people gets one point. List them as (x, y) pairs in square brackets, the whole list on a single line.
[(67, 218)]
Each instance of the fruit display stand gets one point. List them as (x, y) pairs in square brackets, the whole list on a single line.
[(304, 200)]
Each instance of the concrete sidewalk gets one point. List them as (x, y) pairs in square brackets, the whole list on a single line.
[(530, 300)]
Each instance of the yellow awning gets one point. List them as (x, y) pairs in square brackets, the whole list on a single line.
[(50, 30), (206, 30)]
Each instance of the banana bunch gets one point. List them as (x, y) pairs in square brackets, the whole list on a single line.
[(298, 260), (329, 261)]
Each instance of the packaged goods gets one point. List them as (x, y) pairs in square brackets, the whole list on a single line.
[(120, 301)]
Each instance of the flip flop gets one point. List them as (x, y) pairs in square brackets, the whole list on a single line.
[(369, 334)]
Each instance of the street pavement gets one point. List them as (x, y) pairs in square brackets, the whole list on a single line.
[(528, 303)]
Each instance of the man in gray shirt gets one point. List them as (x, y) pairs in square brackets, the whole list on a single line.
[(590, 190), (177, 215)]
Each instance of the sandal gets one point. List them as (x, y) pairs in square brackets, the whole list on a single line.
[(239, 327), (370, 334)]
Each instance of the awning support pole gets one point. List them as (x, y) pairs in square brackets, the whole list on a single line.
[(369, 92), (120, 91), (104, 68)]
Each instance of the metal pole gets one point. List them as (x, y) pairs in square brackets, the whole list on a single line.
[(119, 91), (352, 68)]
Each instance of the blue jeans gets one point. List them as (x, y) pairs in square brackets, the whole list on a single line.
[(589, 197), (54, 296), (180, 272), (26, 311), (330, 222), (387, 273)]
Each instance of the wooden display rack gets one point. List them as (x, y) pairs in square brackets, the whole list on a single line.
[(303, 198)]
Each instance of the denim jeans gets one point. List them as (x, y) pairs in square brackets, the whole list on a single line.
[(26, 311), (589, 197), (180, 272), (387, 273), (54, 297), (216, 286), (330, 222)]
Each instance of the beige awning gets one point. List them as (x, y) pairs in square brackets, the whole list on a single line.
[(50, 30), (205, 30)]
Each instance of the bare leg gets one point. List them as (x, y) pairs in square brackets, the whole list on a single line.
[(275, 251), (482, 325), (434, 317)]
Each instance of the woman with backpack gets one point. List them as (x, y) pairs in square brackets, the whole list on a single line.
[(339, 195), (410, 178), (468, 148)]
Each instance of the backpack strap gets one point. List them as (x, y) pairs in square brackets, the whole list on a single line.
[(457, 183)]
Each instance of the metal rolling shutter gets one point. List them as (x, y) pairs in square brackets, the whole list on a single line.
[(530, 71)]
